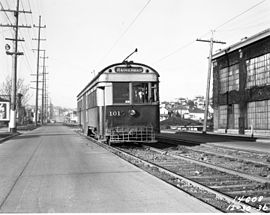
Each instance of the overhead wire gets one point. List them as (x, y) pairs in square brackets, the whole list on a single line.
[(2, 7), (215, 29), (7, 3), (27, 57), (125, 31), (235, 17)]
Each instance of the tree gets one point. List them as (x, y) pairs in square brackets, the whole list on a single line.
[(191, 104), (6, 86)]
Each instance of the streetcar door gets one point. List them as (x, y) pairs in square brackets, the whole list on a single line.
[(101, 109)]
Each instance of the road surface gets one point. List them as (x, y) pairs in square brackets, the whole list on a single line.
[(53, 169)]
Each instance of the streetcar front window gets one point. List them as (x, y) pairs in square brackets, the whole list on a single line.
[(121, 93), (140, 92), (153, 93)]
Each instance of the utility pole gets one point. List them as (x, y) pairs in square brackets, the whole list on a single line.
[(43, 88), (211, 41), (15, 53), (37, 78)]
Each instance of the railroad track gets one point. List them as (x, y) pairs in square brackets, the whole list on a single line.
[(222, 190), (237, 186)]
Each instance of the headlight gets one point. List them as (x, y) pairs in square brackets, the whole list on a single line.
[(132, 112)]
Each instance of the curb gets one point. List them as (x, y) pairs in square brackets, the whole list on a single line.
[(8, 137), (263, 141)]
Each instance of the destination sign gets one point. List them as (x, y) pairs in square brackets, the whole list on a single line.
[(129, 69)]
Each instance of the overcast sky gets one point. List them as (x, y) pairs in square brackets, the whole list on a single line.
[(84, 36)]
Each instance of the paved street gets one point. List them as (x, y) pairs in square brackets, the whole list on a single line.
[(53, 169)]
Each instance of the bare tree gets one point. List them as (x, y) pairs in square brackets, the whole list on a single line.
[(5, 89)]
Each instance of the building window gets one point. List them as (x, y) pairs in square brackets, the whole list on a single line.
[(222, 121), (121, 93), (229, 78), (236, 114), (229, 116), (258, 71), (258, 114), (223, 80), (234, 77)]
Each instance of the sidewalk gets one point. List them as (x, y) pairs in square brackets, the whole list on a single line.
[(5, 134), (3, 129), (245, 145), (241, 142)]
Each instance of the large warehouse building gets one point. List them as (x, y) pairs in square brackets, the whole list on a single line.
[(241, 87)]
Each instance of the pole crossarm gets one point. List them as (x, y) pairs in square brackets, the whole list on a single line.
[(39, 26), (39, 39), (209, 41), (35, 88), (39, 74), (40, 50), (15, 11), (12, 39), (14, 53), (15, 26)]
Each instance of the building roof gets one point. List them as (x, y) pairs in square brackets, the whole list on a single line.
[(196, 111), (243, 43), (179, 107)]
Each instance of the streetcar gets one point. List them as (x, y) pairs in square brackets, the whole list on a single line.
[(121, 104)]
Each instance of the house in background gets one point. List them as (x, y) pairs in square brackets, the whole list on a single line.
[(164, 113), (195, 114)]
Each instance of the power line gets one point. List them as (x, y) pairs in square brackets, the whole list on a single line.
[(31, 14), (193, 41), (7, 3), (233, 18), (2, 8), (26, 44), (125, 31)]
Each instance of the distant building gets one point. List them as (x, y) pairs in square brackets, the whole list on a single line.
[(180, 110), (241, 86), (164, 113), (196, 114), (199, 101), (182, 101)]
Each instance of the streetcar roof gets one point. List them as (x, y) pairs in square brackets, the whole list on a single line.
[(127, 64)]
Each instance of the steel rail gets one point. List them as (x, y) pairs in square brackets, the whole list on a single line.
[(219, 168), (230, 156), (245, 208)]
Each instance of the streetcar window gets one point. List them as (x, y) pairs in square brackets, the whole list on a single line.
[(154, 93), (121, 93), (140, 92)]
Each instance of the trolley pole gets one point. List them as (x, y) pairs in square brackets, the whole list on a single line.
[(211, 41), (15, 53)]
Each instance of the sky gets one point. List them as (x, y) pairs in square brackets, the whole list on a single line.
[(85, 36)]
